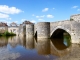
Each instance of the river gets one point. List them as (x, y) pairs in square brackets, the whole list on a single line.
[(22, 48)]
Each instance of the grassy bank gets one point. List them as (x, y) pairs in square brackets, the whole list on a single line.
[(7, 34)]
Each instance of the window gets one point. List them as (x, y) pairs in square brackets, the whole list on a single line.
[(14, 30)]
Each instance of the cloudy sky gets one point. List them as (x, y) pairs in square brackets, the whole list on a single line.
[(37, 10)]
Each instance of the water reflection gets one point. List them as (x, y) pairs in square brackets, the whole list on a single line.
[(3, 42), (22, 41), (55, 49), (37, 49), (43, 46), (30, 43), (5, 54), (58, 43), (13, 41), (67, 40)]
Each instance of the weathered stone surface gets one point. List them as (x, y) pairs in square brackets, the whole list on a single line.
[(43, 29), (46, 29), (29, 30)]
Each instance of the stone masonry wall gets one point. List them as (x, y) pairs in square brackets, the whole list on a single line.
[(46, 29), (75, 32), (75, 17), (65, 25), (43, 30), (29, 30)]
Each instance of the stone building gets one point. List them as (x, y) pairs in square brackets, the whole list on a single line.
[(3, 27), (14, 28), (22, 28)]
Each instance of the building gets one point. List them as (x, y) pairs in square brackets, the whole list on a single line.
[(22, 28), (3, 27), (14, 28)]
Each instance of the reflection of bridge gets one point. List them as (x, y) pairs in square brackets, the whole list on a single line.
[(43, 46), (48, 29)]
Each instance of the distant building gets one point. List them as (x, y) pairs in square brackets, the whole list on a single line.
[(22, 28), (27, 22), (14, 28), (3, 27)]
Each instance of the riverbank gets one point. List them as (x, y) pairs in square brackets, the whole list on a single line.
[(7, 34)]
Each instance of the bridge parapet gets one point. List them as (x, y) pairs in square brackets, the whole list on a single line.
[(75, 17)]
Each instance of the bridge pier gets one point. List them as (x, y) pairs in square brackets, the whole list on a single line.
[(75, 32), (43, 30), (29, 30)]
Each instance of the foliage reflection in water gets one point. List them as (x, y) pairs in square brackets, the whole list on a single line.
[(22, 48)]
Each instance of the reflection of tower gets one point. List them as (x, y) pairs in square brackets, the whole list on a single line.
[(22, 40), (3, 42), (29, 30), (30, 43), (43, 46)]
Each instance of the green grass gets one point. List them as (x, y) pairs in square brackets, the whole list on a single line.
[(7, 34)]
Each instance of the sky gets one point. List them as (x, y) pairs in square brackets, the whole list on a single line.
[(37, 10)]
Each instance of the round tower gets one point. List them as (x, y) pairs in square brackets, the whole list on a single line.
[(43, 30), (29, 30)]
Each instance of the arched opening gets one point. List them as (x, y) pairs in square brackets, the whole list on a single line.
[(61, 39), (59, 33), (35, 36)]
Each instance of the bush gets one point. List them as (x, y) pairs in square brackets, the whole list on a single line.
[(71, 19), (7, 34)]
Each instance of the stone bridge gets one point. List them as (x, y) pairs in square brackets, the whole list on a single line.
[(48, 29)]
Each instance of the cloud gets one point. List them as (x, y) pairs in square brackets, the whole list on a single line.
[(6, 21), (40, 16), (45, 9), (33, 21), (41, 19), (2, 20), (53, 8), (33, 15), (78, 9), (22, 20), (9, 10), (50, 16), (74, 7), (6, 16), (6, 55), (37, 16), (10, 18), (16, 21)]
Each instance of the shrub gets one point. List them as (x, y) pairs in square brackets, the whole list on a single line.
[(7, 34), (71, 19)]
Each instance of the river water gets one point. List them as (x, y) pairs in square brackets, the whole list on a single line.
[(22, 48)]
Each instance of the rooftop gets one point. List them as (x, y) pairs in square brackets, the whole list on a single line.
[(3, 24)]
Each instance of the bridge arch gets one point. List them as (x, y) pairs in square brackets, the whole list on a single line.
[(61, 29)]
